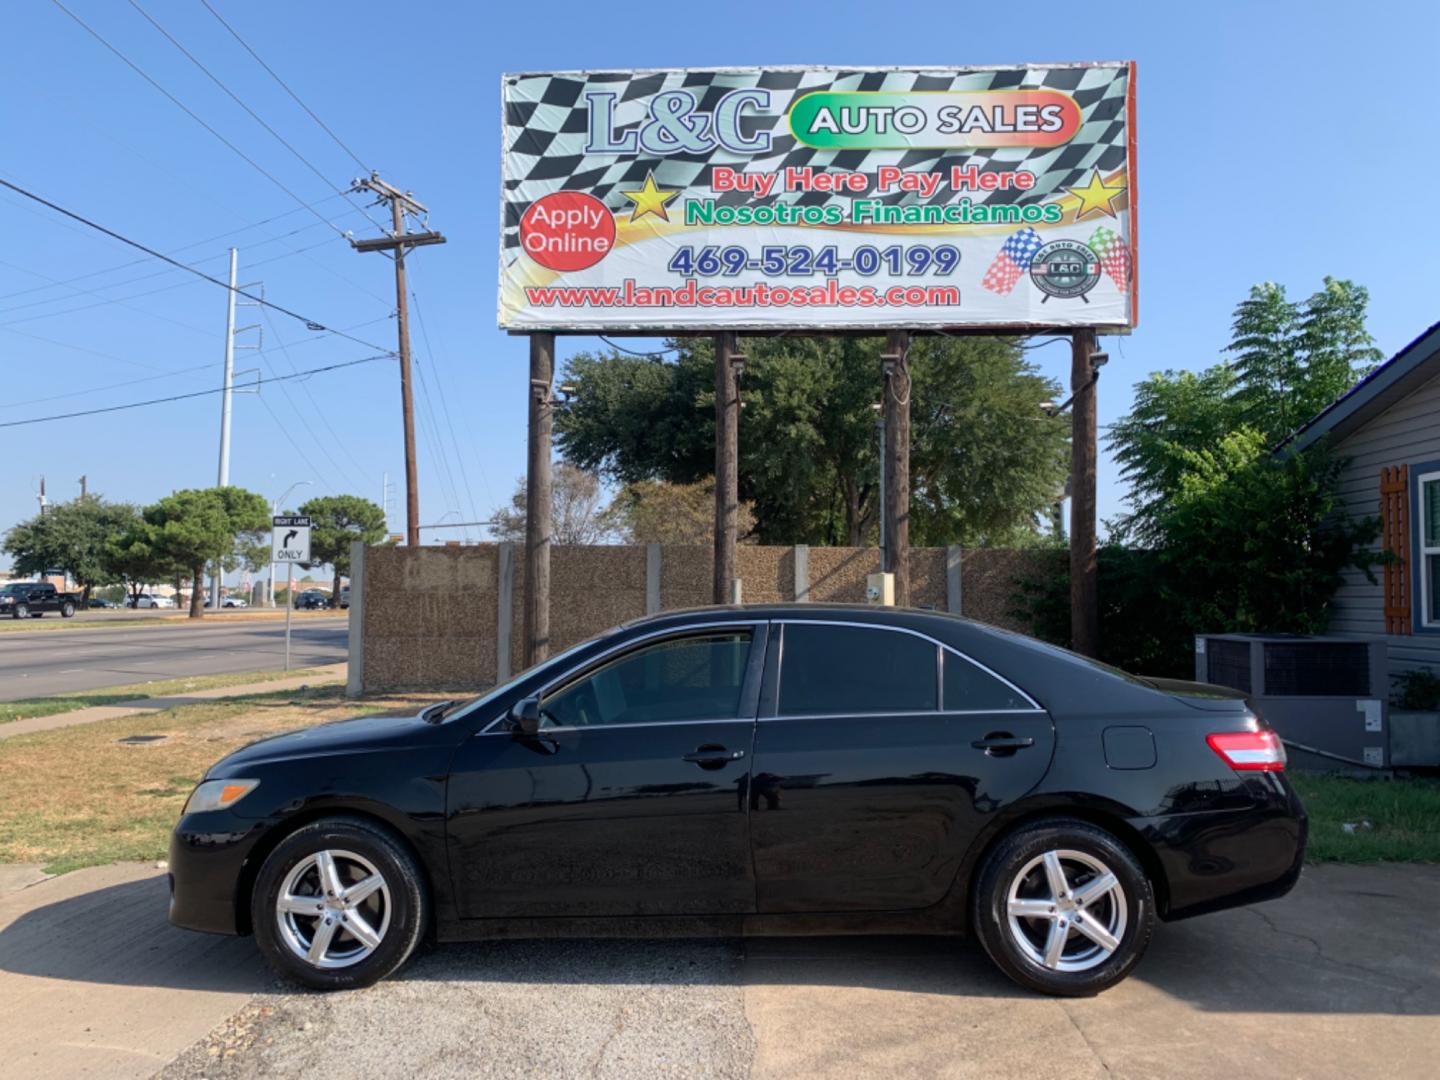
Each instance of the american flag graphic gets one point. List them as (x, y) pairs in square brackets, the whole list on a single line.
[(1114, 255), (1013, 260)]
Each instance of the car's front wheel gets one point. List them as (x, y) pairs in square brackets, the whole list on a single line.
[(1063, 907), (341, 903)]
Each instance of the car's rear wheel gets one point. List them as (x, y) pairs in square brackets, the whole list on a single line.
[(67, 610), (1063, 907), (341, 903)]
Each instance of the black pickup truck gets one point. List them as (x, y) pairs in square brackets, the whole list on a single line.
[(31, 599)]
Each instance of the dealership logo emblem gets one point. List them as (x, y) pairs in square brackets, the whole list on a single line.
[(1065, 269)]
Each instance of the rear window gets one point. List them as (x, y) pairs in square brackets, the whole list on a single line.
[(852, 669), (968, 687)]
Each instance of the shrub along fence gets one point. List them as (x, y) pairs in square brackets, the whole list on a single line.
[(452, 617)]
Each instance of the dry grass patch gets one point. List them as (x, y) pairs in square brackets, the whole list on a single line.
[(78, 796), (25, 708)]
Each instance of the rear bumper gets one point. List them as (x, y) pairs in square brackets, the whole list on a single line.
[(1226, 858), (206, 864)]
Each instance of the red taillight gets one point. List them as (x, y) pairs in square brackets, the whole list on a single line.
[(1252, 751)]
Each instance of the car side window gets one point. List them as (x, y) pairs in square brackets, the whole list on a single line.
[(851, 669), (967, 687), (695, 677)]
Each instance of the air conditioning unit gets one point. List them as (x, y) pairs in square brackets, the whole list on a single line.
[(1326, 696)]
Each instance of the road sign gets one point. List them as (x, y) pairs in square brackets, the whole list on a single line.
[(290, 542)]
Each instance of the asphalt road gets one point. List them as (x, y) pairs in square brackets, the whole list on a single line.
[(43, 662)]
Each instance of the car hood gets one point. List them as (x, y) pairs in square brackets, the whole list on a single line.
[(362, 734)]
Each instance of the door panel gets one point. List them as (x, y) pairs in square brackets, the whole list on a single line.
[(632, 797), (873, 810), (602, 821), (873, 813)]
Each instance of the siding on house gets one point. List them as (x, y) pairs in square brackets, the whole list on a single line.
[(1407, 433)]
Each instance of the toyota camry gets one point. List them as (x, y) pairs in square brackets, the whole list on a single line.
[(795, 769)]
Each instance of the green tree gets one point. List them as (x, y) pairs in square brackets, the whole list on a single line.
[(336, 521), (73, 537), (199, 525), (135, 561), (985, 461), (1256, 541), (654, 512), (1287, 362)]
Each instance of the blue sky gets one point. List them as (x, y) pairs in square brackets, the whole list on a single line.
[(1308, 130)]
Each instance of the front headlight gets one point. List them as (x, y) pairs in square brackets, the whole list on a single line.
[(219, 795)]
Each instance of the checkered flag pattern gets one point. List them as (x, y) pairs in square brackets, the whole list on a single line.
[(1114, 255), (547, 119), (1013, 259)]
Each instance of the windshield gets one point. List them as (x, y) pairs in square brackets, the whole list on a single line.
[(556, 661), (13, 588)]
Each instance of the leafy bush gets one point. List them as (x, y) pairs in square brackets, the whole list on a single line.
[(1418, 691)]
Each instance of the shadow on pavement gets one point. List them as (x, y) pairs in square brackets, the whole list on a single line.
[(1331, 947), (120, 935)]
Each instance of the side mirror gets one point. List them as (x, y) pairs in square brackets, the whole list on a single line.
[(525, 715)]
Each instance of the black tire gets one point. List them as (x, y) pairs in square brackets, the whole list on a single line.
[(67, 610), (1128, 907), (408, 902), (22, 611)]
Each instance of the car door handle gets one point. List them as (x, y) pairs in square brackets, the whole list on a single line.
[(1002, 743), (713, 757)]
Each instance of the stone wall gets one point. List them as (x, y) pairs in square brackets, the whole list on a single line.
[(431, 617)]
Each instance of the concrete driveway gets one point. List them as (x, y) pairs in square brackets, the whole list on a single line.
[(1340, 979)]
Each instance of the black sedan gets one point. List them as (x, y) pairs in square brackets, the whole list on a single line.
[(791, 769)]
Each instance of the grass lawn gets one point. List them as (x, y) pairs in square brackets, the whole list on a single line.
[(77, 797), (1404, 816), (114, 695)]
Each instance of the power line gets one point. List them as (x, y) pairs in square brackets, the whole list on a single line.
[(285, 430), (632, 352), (166, 374), (196, 117), (294, 96), (198, 393), (310, 324), (239, 101), (445, 408), (54, 283), (321, 412)]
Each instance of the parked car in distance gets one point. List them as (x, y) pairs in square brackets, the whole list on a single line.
[(101, 602), (312, 600), (150, 600), (344, 597), (785, 769), (235, 602), (32, 599)]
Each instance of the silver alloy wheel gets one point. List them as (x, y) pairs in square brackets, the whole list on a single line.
[(1066, 910), (333, 909)]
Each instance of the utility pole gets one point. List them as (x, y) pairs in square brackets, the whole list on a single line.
[(537, 499), (1085, 362), (43, 501), (729, 362), (82, 487), (226, 396), (895, 385), (401, 203)]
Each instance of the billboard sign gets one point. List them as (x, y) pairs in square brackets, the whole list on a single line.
[(819, 198)]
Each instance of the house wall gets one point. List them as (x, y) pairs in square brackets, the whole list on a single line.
[(1407, 433)]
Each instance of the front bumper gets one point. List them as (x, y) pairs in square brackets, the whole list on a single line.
[(208, 854)]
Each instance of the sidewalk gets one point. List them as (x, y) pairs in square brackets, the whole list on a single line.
[(328, 675), (96, 982)]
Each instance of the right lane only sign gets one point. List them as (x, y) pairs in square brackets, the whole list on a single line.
[(290, 542)]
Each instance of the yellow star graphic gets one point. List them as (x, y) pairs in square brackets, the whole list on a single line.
[(1096, 195), (649, 200)]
